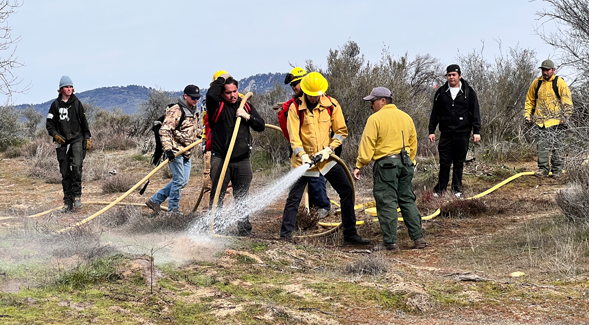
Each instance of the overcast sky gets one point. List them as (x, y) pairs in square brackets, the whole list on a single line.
[(169, 44)]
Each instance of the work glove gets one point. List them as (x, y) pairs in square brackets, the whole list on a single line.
[(224, 76), (87, 145), (59, 139), (324, 153), (242, 113), (306, 160), (170, 155)]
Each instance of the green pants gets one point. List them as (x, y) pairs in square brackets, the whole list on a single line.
[(392, 186), (549, 140)]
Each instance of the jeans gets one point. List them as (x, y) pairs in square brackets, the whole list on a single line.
[(180, 168), (340, 182), (317, 193), (70, 167)]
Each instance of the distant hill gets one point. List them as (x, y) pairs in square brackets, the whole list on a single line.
[(127, 98)]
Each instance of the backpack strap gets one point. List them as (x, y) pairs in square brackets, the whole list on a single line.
[(218, 113), (554, 88)]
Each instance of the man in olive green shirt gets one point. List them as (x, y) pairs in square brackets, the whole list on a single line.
[(390, 139)]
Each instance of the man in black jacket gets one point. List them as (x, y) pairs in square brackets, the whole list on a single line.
[(456, 110), (67, 125), (222, 111)]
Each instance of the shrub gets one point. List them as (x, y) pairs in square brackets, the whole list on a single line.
[(10, 127), (44, 164), (574, 200), (371, 265), (118, 183)]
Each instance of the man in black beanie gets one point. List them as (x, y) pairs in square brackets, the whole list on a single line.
[(456, 111)]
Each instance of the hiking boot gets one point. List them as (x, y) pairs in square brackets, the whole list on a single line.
[(322, 213), (154, 206), (420, 243), (174, 213), (541, 173), (356, 240), (287, 239), (388, 247), (244, 228), (556, 174), (77, 202), (67, 207)]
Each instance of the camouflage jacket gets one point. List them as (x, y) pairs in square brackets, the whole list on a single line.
[(176, 138)]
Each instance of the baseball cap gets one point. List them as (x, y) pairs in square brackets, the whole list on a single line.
[(378, 92), (192, 91), (547, 64)]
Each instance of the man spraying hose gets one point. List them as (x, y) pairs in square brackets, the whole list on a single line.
[(317, 191), (309, 130)]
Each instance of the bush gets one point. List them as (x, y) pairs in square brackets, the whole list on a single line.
[(118, 184), (371, 265), (10, 127), (574, 200), (44, 164)]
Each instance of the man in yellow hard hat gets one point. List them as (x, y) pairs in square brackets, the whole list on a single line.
[(317, 191), (390, 139), (309, 130)]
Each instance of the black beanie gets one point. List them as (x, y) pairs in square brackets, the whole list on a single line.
[(453, 68)]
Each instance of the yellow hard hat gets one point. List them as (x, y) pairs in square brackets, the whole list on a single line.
[(218, 73), (314, 84), (294, 75)]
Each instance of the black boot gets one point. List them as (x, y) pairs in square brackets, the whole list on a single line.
[(356, 240), (244, 228)]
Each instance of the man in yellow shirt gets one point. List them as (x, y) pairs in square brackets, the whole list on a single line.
[(548, 105), (389, 138), (309, 129)]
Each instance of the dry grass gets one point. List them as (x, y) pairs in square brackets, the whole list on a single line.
[(368, 265), (118, 183), (44, 165), (574, 200), (306, 218)]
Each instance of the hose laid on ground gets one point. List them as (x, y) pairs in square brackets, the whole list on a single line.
[(226, 163), (120, 198), (88, 202), (343, 164), (372, 211)]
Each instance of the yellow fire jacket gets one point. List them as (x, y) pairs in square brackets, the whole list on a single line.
[(382, 135), (315, 132), (549, 110)]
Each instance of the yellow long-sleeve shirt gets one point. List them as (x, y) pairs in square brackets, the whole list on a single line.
[(549, 110), (382, 135)]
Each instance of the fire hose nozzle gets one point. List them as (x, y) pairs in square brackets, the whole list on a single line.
[(316, 159)]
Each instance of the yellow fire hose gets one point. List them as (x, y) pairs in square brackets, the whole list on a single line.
[(372, 211), (120, 198), (225, 164), (87, 202)]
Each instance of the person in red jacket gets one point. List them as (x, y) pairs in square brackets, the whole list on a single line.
[(317, 191)]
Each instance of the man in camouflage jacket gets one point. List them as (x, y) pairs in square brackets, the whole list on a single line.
[(179, 129)]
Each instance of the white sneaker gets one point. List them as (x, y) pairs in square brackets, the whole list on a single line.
[(436, 195), (322, 213), (458, 195)]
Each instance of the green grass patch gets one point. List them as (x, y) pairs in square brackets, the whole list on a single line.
[(140, 158), (97, 271), (258, 246)]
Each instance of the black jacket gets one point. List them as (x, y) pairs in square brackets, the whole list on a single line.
[(68, 120), (459, 115), (222, 130)]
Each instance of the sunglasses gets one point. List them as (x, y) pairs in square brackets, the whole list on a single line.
[(193, 98), (375, 99), (295, 83)]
